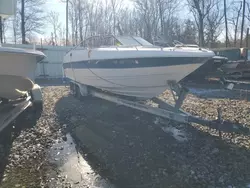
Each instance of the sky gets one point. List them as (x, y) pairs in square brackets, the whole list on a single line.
[(56, 6), (60, 7)]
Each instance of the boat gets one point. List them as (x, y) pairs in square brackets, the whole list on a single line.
[(17, 66), (130, 65), (17, 71)]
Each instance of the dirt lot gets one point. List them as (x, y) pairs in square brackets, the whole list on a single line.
[(115, 146)]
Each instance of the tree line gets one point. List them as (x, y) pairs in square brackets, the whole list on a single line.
[(213, 23)]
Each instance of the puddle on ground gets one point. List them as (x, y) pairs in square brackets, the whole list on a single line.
[(72, 168), (179, 135)]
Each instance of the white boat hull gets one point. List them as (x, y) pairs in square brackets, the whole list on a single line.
[(17, 72), (141, 72), (143, 83)]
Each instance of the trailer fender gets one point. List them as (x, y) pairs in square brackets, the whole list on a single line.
[(37, 98)]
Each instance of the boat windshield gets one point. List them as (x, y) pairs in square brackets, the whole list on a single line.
[(104, 41), (143, 41), (133, 41)]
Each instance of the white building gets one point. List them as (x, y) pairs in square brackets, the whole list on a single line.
[(51, 67)]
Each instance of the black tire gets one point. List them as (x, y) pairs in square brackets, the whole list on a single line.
[(37, 107), (72, 87), (78, 94)]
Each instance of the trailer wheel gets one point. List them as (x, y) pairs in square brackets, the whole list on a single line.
[(78, 94), (72, 88), (37, 100)]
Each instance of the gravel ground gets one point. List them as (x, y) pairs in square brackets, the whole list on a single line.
[(129, 147), (26, 160)]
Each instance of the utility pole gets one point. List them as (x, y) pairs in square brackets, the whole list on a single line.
[(242, 24), (225, 15), (1, 30), (67, 19), (246, 58), (23, 22)]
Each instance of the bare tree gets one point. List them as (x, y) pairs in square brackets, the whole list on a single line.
[(149, 13), (53, 19), (23, 22), (91, 17), (71, 17), (248, 11), (235, 18), (226, 26), (213, 23), (148, 18), (80, 11), (200, 10), (15, 26), (5, 23), (62, 35), (74, 20), (167, 11), (116, 7), (125, 22), (243, 22), (189, 33), (31, 17), (131, 22), (161, 4)]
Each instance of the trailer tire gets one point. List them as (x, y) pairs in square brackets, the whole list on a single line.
[(78, 94), (72, 88), (37, 100)]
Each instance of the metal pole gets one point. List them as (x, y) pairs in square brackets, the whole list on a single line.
[(225, 15), (242, 24), (246, 58), (67, 24), (23, 21), (1, 31), (247, 37)]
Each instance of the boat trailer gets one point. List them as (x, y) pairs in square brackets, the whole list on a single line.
[(10, 110), (163, 109)]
